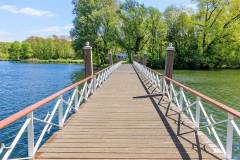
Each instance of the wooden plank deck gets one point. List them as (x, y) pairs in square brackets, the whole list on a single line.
[(118, 122)]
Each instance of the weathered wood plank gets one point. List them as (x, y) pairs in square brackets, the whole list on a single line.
[(116, 123)]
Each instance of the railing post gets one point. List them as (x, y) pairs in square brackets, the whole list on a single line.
[(86, 92), (88, 60), (110, 59), (229, 137), (76, 97), (169, 62), (197, 118), (138, 58), (145, 59), (30, 134), (170, 91), (60, 114), (181, 98), (163, 86), (94, 84)]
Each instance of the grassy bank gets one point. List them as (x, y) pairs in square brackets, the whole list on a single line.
[(61, 61)]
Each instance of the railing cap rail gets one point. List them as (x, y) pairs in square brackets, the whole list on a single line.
[(205, 98), (9, 120), (106, 68)]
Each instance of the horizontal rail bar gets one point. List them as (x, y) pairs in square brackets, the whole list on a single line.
[(211, 123), (40, 103), (202, 96), (73, 103), (102, 70), (9, 120), (206, 98)]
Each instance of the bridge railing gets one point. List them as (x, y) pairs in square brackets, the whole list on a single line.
[(65, 103), (196, 110)]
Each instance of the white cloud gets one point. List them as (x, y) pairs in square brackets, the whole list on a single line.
[(26, 11), (51, 30)]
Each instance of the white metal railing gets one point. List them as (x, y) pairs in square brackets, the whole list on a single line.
[(80, 93), (176, 93)]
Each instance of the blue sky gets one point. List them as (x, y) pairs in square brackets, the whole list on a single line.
[(23, 18)]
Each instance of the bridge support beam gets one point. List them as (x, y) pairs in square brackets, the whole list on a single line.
[(169, 61), (110, 59), (87, 50)]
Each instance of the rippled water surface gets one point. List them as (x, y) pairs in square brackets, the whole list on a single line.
[(22, 84), (222, 85)]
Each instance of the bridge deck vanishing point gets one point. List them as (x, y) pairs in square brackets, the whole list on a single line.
[(120, 122)]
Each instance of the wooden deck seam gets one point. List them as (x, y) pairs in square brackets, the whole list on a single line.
[(114, 119)]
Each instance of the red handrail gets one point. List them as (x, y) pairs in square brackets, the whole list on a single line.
[(7, 121), (202, 96), (206, 98)]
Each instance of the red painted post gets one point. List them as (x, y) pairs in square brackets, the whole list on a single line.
[(87, 50), (169, 61)]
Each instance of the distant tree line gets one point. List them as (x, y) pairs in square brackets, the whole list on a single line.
[(205, 37), (38, 48)]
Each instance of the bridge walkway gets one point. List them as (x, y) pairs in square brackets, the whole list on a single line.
[(121, 122)]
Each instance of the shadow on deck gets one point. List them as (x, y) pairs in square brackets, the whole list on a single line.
[(171, 120), (121, 122)]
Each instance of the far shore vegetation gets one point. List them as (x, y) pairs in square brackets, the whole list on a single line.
[(206, 37), (48, 61), (63, 61), (40, 50)]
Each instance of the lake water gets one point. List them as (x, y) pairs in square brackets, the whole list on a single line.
[(222, 85), (22, 84)]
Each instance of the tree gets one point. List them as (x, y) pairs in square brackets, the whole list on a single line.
[(26, 50), (50, 48), (216, 21), (95, 22), (156, 37), (15, 50), (133, 26), (107, 30), (4, 47)]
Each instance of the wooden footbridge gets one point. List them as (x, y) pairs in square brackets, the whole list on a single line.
[(126, 111), (121, 122)]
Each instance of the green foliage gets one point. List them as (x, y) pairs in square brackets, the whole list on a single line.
[(207, 37), (4, 47), (26, 50), (134, 20), (51, 48), (15, 50), (95, 22), (61, 61), (37, 48)]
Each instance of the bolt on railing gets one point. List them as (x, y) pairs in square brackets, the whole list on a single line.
[(179, 98), (78, 96)]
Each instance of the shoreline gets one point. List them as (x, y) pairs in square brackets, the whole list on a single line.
[(49, 61)]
